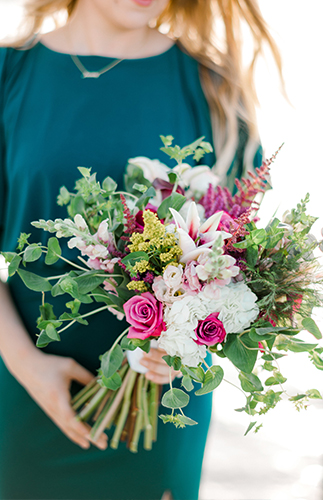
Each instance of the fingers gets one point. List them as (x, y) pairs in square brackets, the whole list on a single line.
[(79, 373), (158, 370), (76, 430)]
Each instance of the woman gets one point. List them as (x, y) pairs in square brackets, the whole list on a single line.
[(55, 115)]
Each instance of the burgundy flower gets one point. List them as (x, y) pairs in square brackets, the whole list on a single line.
[(166, 187), (210, 330)]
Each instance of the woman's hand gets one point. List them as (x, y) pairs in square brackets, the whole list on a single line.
[(158, 369), (47, 378)]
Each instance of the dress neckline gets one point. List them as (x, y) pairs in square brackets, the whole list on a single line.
[(108, 58)]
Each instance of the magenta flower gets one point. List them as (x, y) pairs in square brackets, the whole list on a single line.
[(210, 330), (145, 314)]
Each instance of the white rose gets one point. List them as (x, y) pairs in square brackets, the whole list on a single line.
[(173, 276), (199, 178), (151, 168)]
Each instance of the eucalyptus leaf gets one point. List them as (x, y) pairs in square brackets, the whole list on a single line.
[(14, 265), (111, 361), (113, 382), (310, 325), (34, 282), (213, 378), (43, 340), (87, 282), (175, 398), (314, 394), (32, 253), (54, 251), (196, 373), (187, 383), (250, 382), (52, 332), (186, 420), (241, 352)]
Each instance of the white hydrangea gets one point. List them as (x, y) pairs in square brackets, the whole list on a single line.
[(237, 307), (236, 304)]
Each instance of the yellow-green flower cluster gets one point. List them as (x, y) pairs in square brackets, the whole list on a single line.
[(137, 285), (154, 232), (161, 247)]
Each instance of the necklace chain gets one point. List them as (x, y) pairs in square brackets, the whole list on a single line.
[(93, 74)]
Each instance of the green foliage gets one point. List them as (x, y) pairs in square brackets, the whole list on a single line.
[(111, 361), (32, 253), (310, 325), (175, 399), (113, 382), (173, 361), (53, 251), (197, 149), (23, 240), (241, 351), (213, 378), (175, 201), (34, 282), (180, 421)]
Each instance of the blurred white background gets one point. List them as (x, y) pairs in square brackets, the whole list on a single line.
[(284, 461)]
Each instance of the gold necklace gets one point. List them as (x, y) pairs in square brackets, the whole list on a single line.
[(93, 74)]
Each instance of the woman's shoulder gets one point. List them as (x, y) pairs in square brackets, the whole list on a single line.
[(11, 58)]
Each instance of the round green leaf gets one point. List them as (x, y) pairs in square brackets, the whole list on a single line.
[(175, 398), (32, 253)]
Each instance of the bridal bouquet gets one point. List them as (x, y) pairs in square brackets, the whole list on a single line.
[(184, 262)]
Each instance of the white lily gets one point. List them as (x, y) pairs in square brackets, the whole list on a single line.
[(193, 238)]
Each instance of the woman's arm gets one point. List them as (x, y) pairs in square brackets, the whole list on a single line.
[(45, 377)]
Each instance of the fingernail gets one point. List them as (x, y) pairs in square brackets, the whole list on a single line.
[(85, 446)]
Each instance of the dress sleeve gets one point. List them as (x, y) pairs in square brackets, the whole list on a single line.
[(3, 53)]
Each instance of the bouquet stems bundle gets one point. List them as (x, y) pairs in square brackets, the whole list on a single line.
[(133, 409)]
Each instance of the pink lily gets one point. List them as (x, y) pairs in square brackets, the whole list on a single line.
[(193, 238)]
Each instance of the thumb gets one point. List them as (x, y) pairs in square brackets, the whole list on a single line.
[(81, 374)]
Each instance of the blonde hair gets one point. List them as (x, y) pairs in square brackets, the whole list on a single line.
[(228, 87)]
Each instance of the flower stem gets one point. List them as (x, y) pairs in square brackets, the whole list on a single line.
[(148, 436), (84, 390), (125, 409), (98, 429), (86, 397), (90, 408), (133, 446), (153, 407)]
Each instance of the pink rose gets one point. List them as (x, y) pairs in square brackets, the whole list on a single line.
[(145, 314), (210, 331)]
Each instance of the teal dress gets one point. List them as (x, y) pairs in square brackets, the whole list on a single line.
[(51, 121)]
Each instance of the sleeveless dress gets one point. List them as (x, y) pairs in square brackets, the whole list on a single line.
[(51, 122)]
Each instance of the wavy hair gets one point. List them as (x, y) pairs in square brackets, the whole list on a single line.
[(211, 31)]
